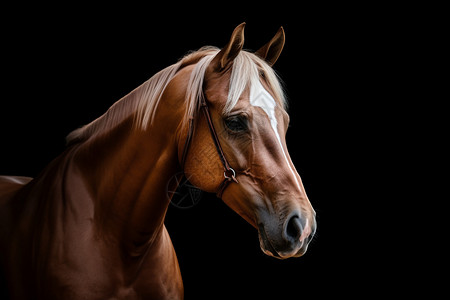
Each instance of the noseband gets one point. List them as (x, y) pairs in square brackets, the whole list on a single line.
[(229, 174)]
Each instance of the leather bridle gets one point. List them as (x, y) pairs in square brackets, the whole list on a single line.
[(229, 174)]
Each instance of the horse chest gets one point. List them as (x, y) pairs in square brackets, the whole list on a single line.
[(88, 269), (94, 273)]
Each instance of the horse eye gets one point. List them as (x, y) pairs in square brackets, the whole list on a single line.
[(236, 123)]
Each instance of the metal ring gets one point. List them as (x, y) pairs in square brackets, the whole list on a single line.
[(232, 176)]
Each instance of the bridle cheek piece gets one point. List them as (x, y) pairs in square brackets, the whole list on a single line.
[(229, 174)]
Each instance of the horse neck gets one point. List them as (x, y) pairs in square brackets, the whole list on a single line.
[(126, 171)]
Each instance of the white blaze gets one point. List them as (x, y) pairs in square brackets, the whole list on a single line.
[(261, 98)]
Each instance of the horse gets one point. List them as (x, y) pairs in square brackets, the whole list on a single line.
[(91, 224)]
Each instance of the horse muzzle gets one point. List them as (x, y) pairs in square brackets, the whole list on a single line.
[(289, 238)]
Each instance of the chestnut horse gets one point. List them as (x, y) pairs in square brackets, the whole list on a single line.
[(91, 225)]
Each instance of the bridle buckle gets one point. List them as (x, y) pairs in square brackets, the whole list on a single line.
[(230, 175)]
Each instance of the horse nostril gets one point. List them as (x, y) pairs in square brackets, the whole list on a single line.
[(294, 228)]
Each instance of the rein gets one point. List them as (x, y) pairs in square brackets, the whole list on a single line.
[(229, 174)]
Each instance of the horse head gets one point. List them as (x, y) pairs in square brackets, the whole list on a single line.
[(246, 106)]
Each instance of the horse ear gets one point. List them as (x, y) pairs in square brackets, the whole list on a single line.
[(231, 50), (272, 50)]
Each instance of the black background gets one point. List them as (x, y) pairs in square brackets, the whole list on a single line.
[(64, 66)]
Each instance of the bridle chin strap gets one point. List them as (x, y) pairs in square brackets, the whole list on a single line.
[(229, 174)]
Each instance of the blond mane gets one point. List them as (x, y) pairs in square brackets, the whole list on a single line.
[(143, 101)]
